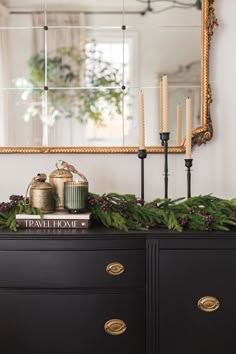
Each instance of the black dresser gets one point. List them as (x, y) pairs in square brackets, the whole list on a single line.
[(107, 292)]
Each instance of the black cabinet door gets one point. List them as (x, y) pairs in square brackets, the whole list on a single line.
[(62, 323), (185, 276)]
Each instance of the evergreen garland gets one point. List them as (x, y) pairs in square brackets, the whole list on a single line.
[(16, 205), (127, 212)]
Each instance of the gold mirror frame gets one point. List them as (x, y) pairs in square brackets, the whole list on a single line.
[(200, 135)]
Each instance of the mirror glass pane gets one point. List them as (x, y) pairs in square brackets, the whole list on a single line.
[(98, 125), (95, 69), (22, 119), (18, 63)]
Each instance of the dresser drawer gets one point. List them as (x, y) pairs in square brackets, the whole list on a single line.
[(186, 276), (40, 323), (72, 269)]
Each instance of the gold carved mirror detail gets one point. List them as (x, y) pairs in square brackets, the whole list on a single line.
[(71, 73)]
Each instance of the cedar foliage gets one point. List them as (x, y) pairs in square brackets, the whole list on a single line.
[(127, 212)]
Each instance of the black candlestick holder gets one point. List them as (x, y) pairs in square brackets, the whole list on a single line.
[(165, 136), (188, 164), (162, 142), (142, 154)]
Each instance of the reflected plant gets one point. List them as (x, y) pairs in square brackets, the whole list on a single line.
[(71, 67)]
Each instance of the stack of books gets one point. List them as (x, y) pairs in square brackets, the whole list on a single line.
[(56, 220)]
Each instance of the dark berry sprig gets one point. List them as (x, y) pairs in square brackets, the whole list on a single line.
[(203, 212), (101, 202), (208, 219), (14, 200), (16, 197), (92, 202), (183, 220), (192, 210), (105, 206), (6, 206)]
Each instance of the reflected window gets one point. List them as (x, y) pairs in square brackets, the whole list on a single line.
[(115, 121)]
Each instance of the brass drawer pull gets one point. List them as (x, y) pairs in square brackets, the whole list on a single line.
[(115, 268), (208, 304), (115, 327)]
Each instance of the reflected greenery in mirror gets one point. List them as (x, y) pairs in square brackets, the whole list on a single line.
[(74, 83), (64, 68)]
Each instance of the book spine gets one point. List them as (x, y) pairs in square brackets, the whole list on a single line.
[(53, 224)]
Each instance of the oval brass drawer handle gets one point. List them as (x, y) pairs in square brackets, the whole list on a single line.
[(115, 268), (115, 327), (208, 304)]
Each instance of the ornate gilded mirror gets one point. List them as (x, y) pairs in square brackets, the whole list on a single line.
[(71, 73)]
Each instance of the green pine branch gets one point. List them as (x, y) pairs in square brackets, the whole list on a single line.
[(127, 212), (8, 218), (197, 213)]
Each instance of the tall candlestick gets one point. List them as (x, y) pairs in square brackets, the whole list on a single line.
[(161, 106), (188, 128), (165, 104), (141, 122), (179, 124)]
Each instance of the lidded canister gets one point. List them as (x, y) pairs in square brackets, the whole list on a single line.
[(57, 179), (75, 193), (41, 194)]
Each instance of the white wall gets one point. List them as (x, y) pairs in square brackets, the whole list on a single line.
[(214, 165)]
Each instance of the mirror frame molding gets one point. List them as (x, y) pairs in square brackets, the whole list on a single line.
[(200, 135)]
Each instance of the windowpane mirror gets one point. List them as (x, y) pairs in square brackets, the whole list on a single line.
[(71, 73)]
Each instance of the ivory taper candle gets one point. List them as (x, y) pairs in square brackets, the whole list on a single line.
[(165, 103), (179, 124), (141, 122), (188, 128), (161, 106)]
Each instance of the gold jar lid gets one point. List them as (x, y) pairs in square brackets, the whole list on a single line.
[(41, 185), (61, 173)]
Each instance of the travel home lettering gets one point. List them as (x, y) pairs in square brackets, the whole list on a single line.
[(62, 224)]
